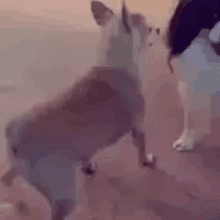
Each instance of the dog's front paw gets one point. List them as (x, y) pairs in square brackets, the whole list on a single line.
[(184, 144), (189, 138)]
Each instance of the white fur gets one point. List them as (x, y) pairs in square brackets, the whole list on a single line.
[(198, 69)]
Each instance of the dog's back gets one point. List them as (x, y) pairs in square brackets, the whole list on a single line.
[(101, 106)]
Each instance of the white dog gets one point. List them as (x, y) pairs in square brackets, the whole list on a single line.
[(194, 35), (93, 113)]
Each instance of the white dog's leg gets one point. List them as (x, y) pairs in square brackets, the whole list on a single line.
[(184, 139), (197, 117)]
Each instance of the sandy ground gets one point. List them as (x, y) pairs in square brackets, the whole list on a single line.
[(184, 186)]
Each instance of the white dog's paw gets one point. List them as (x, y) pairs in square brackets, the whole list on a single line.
[(188, 139), (186, 142)]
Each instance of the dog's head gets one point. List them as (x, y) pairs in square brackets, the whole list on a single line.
[(190, 17), (123, 36)]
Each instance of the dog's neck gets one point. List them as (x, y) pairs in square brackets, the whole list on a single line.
[(105, 60)]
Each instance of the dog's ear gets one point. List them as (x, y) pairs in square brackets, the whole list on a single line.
[(101, 13), (126, 17)]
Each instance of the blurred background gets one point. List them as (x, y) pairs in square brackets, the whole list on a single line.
[(78, 12)]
